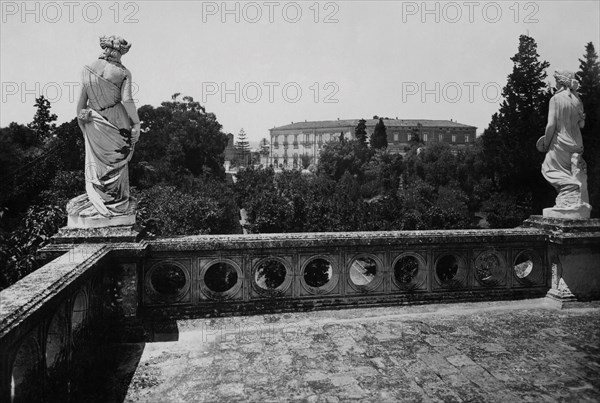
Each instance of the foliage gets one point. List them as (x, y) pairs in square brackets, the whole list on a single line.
[(504, 211), (379, 136), (179, 139), (42, 124), (338, 157), (292, 202), (17, 249), (205, 207), (72, 147), (589, 77), (513, 162), (243, 147), (360, 132), (382, 173)]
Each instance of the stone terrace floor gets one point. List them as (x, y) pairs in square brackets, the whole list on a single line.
[(521, 351)]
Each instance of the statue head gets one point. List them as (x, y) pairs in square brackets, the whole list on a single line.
[(114, 47), (565, 78)]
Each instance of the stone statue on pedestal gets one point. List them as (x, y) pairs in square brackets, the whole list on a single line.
[(564, 167), (108, 118)]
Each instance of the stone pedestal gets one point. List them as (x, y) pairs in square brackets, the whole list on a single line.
[(574, 256), (100, 222), (113, 234)]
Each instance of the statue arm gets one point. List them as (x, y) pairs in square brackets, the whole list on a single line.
[(551, 126), (129, 104)]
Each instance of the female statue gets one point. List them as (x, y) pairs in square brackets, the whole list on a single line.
[(564, 167), (108, 118)]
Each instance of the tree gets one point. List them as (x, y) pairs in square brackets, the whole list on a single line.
[(415, 135), (305, 159), (72, 150), (379, 136), (180, 138), (589, 78), (243, 146), (509, 141), (337, 157), (42, 124), (360, 132)]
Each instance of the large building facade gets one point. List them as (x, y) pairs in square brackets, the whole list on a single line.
[(293, 143)]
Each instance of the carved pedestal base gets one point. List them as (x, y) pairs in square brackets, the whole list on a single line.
[(560, 293), (581, 212), (100, 222), (82, 219)]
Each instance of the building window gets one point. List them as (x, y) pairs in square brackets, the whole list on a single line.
[(396, 137), (454, 138), (441, 137), (425, 135), (466, 138)]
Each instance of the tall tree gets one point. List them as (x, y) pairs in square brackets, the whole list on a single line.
[(509, 141), (42, 124), (243, 146), (379, 136), (589, 78), (338, 157), (180, 137), (360, 132)]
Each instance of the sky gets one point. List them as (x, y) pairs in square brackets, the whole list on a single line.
[(258, 65)]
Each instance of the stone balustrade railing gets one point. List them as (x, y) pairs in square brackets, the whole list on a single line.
[(200, 276), (48, 314)]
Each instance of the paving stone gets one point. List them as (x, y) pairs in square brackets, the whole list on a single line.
[(460, 360), (502, 355), (437, 363)]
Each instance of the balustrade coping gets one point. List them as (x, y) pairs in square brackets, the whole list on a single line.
[(340, 239), (29, 294)]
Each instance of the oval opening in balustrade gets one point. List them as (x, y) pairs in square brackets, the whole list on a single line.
[(220, 277), (318, 272), (25, 378), (80, 312), (446, 268), (523, 265), (56, 341), (363, 270), (168, 280), (406, 269), (270, 274)]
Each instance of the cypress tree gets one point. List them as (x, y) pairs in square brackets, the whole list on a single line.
[(589, 79), (379, 136), (509, 142)]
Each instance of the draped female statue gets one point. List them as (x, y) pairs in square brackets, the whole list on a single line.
[(108, 118), (563, 166)]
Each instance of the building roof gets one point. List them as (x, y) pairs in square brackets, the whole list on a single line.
[(334, 124)]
